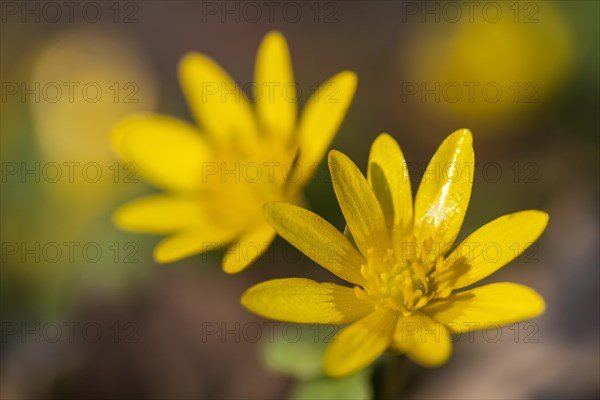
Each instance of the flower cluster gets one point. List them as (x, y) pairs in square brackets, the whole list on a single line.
[(390, 288)]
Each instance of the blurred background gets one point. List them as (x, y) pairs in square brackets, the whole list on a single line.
[(86, 312)]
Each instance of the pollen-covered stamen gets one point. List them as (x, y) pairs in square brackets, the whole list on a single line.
[(404, 281)]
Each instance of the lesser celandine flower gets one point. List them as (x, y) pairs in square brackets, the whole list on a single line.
[(219, 176), (399, 259)]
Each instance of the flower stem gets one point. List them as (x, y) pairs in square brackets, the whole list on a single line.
[(390, 378)]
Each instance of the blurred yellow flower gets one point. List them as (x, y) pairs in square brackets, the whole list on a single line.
[(494, 72), (218, 177), (400, 260), (85, 80)]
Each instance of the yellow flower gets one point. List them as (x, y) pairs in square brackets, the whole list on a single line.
[(400, 260), (219, 176)]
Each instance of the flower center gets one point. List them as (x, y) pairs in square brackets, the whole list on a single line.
[(403, 280)]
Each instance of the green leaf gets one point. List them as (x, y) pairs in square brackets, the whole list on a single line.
[(357, 386), (298, 350)]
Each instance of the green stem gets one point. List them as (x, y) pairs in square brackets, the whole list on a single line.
[(390, 379)]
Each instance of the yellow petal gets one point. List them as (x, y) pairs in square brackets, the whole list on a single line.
[(359, 344), (424, 340), (159, 214), (320, 120), (305, 301), (276, 104), (494, 245), (445, 189), (359, 205), (388, 176), (165, 151), (217, 103), (193, 241), (248, 247), (486, 306), (317, 239)]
